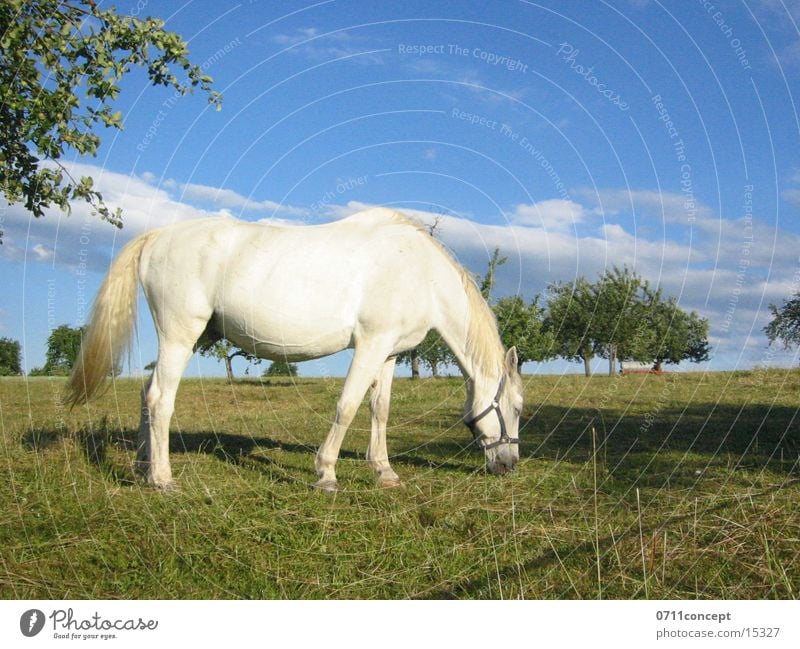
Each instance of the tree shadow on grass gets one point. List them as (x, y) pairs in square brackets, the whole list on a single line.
[(751, 436)]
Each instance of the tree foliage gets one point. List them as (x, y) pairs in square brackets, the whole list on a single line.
[(570, 313), (281, 368), (63, 347), (10, 357), (620, 323), (61, 64), (488, 280), (622, 318), (675, 335), (785, 323), (225, 351), (432, 352), (521, 325)]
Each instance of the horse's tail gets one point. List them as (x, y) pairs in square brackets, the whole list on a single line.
[(111, 325)]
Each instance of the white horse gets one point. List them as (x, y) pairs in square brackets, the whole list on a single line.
[(374, 282)]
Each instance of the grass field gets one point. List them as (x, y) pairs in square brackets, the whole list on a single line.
[(689, 488)]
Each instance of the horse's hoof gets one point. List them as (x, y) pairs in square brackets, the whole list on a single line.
[(328, 486), (391, 483), (170, 487)]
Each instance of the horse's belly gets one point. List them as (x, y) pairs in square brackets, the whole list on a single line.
[(276, 338)]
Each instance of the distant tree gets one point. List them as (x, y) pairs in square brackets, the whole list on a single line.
[(224, 351), (60, 71), (63, 346), (785, 323), (150, 366), (620, 322), (569, 321), (488, 280), (675, 335), (432, 352), (521, 325), (10, 357), (411, 358), (281, 368), (622, 318)]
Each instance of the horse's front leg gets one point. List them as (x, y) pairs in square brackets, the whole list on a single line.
[(377, 454), (364, 368)]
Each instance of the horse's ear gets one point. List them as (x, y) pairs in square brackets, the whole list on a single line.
[(511, 360)]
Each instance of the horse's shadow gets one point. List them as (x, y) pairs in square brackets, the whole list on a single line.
[(94, 442), (247, 451)]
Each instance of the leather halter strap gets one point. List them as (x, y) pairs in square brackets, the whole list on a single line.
[(479, 438)]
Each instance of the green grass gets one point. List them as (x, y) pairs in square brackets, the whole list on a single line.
[(688, 489)]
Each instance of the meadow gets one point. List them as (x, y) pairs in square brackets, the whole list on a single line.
[(685, 485)]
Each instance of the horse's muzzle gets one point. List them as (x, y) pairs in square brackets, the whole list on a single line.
[(501, 466)]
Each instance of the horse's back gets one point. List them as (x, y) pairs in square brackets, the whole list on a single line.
[(299, 291)]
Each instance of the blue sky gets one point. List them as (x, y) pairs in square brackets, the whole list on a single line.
[(574, 135)]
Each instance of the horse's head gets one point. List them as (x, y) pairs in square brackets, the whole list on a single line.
[(492, 414)]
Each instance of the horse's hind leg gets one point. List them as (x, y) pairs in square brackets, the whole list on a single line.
[(158, 403), (377, 454), (367, 361)]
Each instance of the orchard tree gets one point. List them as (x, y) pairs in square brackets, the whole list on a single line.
[(63, 347), (432, 351), (61, 64), (785, 323), (10, 357), (281, 368), (488, 280), (620, 322), (521, 325), (569, 321), (620, 317), (675, 334), (224, 351), (411, 357)]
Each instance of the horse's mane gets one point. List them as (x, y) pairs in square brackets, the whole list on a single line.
[(483, 339)]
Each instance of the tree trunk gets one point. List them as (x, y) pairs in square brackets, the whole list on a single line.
[(435, 370), (657, 366), (229, 368), (612, 360), (415, 367), (587, 364)]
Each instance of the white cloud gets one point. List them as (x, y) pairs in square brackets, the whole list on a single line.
[(81, 237), (316, 47), (226, 198), (300, 36), (41, 253), (667, 207), (554, 214), (792, 196)]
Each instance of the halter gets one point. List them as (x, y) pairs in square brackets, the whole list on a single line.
[(477, 436)]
